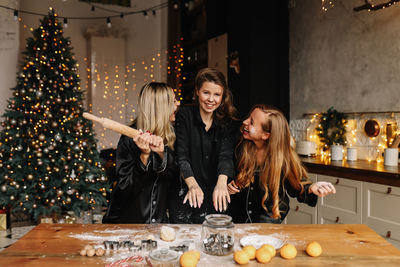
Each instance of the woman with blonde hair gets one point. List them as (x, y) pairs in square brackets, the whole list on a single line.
[(145, 164), (268, 170)]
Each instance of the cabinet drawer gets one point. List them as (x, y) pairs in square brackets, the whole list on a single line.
[(301, 213), (344, 206), (380, 210)]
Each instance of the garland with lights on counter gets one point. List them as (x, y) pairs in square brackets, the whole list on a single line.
[(332, 128)]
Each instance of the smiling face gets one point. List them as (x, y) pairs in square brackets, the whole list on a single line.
[(210, 97), (252, 126)]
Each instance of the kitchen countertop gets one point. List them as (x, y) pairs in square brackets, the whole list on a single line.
[(361, 170), (59, 244)]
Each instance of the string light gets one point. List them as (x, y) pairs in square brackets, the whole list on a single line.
[(15, 15), (371, 7), (65, 23), (108, 21), (145, 15)]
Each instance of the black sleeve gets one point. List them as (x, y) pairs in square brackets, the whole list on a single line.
[(309, 198), (182, 142), (130, 169), (225, 156)]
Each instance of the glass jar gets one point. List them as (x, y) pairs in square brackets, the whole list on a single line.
[(218, 234)]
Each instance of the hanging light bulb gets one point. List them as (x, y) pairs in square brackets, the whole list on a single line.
[(15, 15), (154, 12), (108, 22), (176, 5), (65, 23), (93, 8), (145, 15), (121, 15)]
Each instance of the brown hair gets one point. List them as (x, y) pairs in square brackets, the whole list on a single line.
[(280, 159), (226, 110)]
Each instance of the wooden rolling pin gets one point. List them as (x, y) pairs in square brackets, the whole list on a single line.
[(112, 125)]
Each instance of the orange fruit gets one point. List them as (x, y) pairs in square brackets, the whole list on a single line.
[(196, 253), (288, 252), (251, 251), (188, 259), (271, 249), (241, 257), (262, 255), (314, 249)]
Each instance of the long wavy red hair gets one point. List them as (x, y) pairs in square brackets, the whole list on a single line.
[(280, 159)]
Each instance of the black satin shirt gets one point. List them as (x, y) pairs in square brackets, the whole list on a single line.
[(203, 154), (246, 206), (141, 194)]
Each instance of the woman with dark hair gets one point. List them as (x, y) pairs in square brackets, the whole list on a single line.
[(268, 170), (145, 164), (204, 149)]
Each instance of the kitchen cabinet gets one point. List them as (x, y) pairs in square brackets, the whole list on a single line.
[(345, 205), (381, 210)]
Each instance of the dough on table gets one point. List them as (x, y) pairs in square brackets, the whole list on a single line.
[(167, 233)]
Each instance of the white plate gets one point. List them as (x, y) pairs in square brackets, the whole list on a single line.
[(259, 240)]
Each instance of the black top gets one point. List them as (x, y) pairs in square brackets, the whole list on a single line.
[(203, 154), (141, 194), (246, 206)]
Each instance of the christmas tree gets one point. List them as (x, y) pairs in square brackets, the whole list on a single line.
[(49, 163)]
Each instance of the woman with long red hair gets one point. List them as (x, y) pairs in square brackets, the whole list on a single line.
[(268, 170)]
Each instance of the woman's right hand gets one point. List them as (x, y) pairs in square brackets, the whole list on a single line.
[(195, 195), (233, 188), (142, 140)]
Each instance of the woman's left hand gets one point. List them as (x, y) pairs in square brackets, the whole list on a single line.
[(322, 189), (221, 196), (156, 144)]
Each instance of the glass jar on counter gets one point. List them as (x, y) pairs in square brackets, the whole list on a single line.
[(218, 234)]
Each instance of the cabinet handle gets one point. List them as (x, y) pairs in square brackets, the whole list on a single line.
[(388, 234), (337, 219), (389, 190), (297, 208), (337, 181)]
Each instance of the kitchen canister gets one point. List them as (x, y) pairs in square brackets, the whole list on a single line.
[(336, 152), (351, 153), (391, 156), (218, 234)]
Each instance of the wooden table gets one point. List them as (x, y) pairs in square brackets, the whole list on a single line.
[(59, 244)]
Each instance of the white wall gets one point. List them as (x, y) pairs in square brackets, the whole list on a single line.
[(341, 58), (145, 40), (9, 43)]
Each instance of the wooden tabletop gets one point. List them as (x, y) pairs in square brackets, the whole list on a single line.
[(60, 244)]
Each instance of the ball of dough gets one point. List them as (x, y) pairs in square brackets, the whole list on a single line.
[(241, 257), (251, 251), (167, 233), (87, 247), (83, 252), (188, 259), (262, 255), (90, 252), (100, 252)]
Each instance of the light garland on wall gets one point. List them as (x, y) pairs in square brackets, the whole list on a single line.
[(107, 19), (371, 7), (327, 4)]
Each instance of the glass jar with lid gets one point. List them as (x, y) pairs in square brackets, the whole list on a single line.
[(218, 234)]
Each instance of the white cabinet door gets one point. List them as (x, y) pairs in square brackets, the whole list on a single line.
[(381, 210), (301, 213), (344, 206)]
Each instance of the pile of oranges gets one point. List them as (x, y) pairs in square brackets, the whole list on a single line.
[(266, 252)]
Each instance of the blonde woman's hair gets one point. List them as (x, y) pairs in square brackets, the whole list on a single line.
[(155, 106), (280, 159)]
